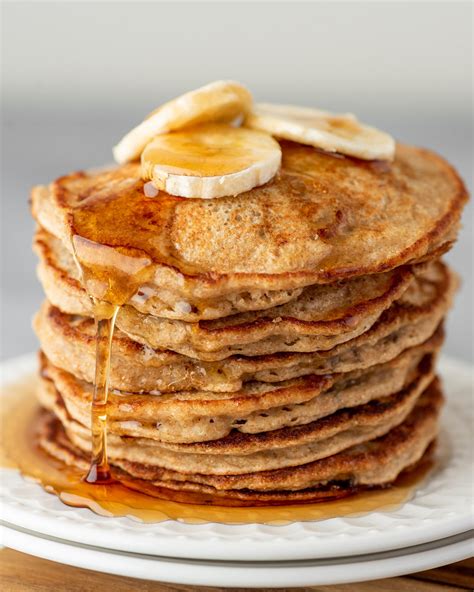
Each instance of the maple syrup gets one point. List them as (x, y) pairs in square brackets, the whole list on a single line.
[(19, 449), (206, 150), (99, 469), (111, 274), (110, 277)]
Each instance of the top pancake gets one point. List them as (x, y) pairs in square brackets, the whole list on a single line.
[(322, 218)]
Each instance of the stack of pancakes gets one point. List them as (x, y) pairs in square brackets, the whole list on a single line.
[(284, 349)]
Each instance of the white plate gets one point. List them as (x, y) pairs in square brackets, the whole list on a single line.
[(246, 574), (440, 508)]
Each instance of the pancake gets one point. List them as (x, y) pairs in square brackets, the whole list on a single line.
[(319, 220), (60, 278), (285, 447), (342, 303), (196, 416), (319, 319), (69, 343), (375, 463)]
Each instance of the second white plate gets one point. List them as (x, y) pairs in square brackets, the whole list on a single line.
[(246, 574)]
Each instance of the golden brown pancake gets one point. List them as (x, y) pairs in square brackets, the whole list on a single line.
[(321, 219), (60, 278), (319, 317)]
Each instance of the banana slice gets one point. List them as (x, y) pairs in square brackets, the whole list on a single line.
[(212, 160), (220, 101), (331, 132)]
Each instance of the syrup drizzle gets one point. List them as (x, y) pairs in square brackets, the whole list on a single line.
[(111, 277), (99, 471)]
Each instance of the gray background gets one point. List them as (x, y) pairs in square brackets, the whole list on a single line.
[(78, 75)]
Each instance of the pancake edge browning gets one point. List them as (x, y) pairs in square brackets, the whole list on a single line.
[(238, 453), (330, 478), (252, 332), (136, 367), (65, 290), (191, 417)]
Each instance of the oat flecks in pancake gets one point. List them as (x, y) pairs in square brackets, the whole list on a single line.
[(69, 343), (319, 317), (377, 462), (241, 453), (199, 416)]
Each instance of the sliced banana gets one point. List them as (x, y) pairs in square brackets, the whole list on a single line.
[(211, 160), (220, 101), (329, 131)]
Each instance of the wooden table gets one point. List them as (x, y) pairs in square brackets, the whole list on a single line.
[(23, 573)]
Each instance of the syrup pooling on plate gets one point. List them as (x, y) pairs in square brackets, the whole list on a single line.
[(19, 448)]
